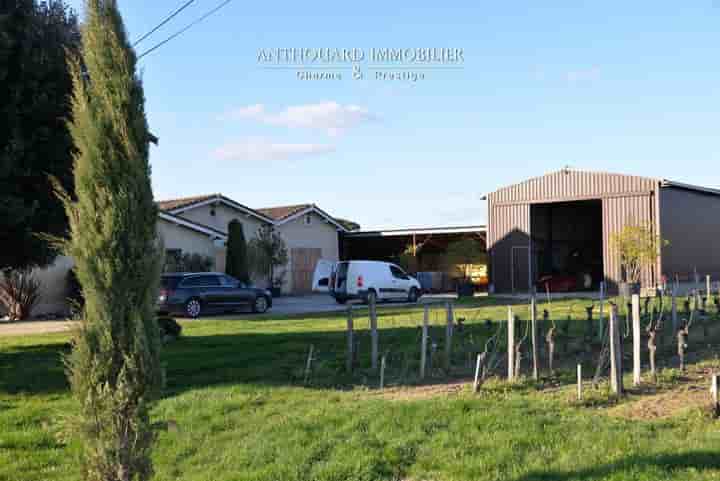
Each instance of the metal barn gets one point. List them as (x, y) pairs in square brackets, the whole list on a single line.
[(561, 223)]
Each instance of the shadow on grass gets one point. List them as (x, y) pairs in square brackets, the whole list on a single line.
[(696, 460)]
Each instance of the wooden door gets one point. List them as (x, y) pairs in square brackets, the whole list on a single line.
[(304, 260)]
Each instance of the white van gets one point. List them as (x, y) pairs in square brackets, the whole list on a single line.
[(365, 280)]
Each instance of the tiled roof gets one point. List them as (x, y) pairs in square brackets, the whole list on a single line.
[(171, 204), (283, 211)]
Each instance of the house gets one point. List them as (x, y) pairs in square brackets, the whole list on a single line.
[(199, 225), (561, 224)]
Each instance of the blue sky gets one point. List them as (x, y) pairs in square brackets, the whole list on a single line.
[(630, 87)]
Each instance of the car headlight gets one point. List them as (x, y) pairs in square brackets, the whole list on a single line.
[(162, 298)]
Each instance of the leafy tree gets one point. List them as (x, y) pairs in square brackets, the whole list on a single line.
[(236, 263), (267, 252), (189, 262), (464, 254), (114, 368), (35, 87), (637, 247)]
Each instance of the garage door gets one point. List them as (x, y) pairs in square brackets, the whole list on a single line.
[(304, 260)]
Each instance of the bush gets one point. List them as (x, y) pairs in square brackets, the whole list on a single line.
[(19, 292), (189, 263), (169, 327)]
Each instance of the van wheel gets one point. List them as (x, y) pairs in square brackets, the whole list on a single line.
[(193, 307), (413, 295), (340, 300), (371, 297)]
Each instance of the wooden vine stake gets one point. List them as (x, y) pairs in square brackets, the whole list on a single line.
[(616, 381), (478, 368), (448, 335), (350, 341), (533, 336), (636, 339), (714, 394), (308, 364), (579, 382), (423, 343), (373, 334), (511, 345), (382, 372), (674, 312)]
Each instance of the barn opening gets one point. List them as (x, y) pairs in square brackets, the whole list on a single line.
[(567, 244)]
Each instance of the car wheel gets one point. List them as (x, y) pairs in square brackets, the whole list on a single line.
[(260, 305), (340, 300), (193, 307), (413, 295), (371, 297)]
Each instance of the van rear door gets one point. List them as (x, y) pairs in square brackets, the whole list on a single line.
[(321, 276)]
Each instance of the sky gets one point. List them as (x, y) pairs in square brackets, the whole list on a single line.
[(627, 87)]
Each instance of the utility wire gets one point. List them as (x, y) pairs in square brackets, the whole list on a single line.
[(184, 29), (170, 17)]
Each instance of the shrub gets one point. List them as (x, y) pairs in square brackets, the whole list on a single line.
[(189, 263), (19, 292), (236, 264), (169, 327)]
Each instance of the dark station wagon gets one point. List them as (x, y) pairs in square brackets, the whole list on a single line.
[(195, 293)]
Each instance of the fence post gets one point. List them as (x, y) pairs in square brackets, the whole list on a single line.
[(448, 335), (579, 382), (382, 372), (714, 393), (373, 334), (601, 325), (511, 344), (636, 339), (423, 343), (350, 340), (616, 383), (533, 334)]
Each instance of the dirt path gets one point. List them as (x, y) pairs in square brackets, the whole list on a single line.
[(34, 327)]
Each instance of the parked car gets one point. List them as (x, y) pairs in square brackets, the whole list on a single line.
[(196, 293), (365, 280)]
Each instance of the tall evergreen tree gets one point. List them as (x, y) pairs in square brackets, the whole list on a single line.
[(236, 263), (35, 88), (114, 368)]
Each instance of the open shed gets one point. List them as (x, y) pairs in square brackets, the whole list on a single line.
[(560, 224)]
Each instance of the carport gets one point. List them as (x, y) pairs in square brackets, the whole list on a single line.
[(424, 248)]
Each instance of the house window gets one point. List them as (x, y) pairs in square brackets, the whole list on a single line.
[(308, 219)]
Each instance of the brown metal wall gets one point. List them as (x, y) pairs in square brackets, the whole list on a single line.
[(567, 185), (690, 221), (626, 199), (509, 227), (617, 213)]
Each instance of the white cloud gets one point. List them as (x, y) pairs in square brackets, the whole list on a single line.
[(259, 149), (332, 117)]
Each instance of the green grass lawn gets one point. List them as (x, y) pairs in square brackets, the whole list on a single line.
[(236, 409)]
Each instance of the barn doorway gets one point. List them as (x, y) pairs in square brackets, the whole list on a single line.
[(567, 241)]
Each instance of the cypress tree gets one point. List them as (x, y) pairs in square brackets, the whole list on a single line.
[(236, 263), (114, 368)]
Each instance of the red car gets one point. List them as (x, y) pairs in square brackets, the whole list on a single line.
[(558, 283)]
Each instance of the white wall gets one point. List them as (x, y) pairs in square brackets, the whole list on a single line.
[(221, 219), (318, 234)]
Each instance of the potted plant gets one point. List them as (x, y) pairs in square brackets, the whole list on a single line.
[(266, 253), (637, 247)]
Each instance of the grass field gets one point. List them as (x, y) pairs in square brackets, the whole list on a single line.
[(236, 409)]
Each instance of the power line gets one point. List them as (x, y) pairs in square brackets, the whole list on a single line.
[(170, 17), (184, 29)]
